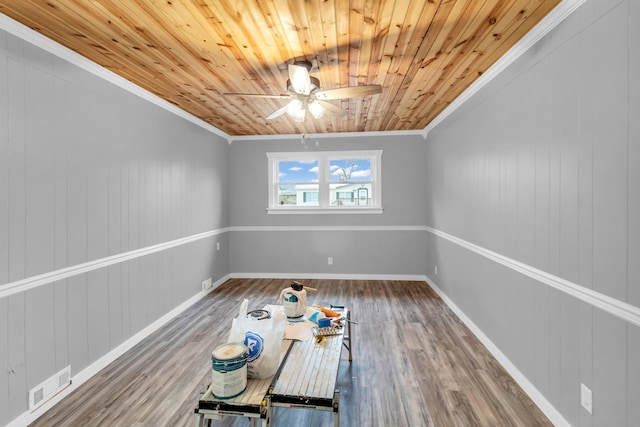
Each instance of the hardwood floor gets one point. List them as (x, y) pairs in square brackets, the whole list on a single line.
[(414, 364)]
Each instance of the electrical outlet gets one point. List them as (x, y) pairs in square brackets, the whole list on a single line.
[(217, 246), (436, 269), (207, 284), (330, 260), (585, 398)]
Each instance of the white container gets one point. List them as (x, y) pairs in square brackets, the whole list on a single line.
[(294, 302), (229, 370)]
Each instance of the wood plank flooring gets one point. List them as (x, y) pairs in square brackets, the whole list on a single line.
[(414, 364)]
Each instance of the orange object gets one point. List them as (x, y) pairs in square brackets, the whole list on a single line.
[(327, 312)]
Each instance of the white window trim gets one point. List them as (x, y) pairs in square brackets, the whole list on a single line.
[(323, 158)]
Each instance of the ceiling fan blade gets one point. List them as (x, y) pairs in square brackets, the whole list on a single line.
[(300, 80), (348, 92), (256, 95), (277, 113), (336, 111)]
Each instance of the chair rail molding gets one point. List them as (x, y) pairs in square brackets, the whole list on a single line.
[(64, 273), (620, 309)]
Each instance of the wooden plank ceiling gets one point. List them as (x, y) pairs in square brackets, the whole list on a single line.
[(423, 53)]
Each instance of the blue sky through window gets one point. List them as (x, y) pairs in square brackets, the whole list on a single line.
[(351, 170), (357, 170), (298, 170)]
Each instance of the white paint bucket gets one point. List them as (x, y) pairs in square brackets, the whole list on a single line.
[(294, 302), (229, 370)]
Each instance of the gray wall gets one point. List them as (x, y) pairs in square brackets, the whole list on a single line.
[(543, 167), (87, 171), (363, 244)]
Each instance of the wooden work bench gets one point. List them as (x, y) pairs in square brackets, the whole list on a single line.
[(306, 379)]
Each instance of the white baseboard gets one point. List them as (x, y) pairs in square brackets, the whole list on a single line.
[(83, 376), (538, 398), (545, 406), (406, 277)]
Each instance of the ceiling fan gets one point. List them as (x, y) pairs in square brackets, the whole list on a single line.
[(305, 95)]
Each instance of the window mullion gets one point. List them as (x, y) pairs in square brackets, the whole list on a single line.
[(323, 183), (273, 176)]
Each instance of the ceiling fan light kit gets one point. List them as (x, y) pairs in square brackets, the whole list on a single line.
[(316, 109), (296, 111), (305, 95)]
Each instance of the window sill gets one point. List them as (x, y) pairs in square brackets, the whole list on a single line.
[(324, 211)]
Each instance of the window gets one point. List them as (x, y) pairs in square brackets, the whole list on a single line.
[(325, 182), (310, 197), (348, 195)]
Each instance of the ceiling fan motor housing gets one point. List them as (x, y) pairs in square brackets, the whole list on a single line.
[(306, 94), (315, 84), (305, 64)]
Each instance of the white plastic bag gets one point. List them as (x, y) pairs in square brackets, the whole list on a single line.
[(263, 339)]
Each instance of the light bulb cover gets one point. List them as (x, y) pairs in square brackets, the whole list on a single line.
[(316, 109), (294, 107), (296, 111), (299, 116)]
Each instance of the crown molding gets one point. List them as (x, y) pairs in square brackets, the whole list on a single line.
[(308, 136), (27, 34), (548, 23)]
